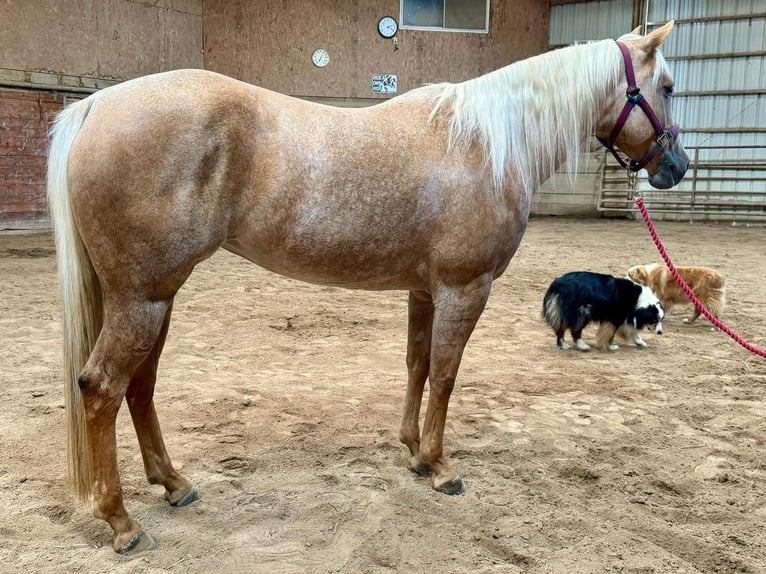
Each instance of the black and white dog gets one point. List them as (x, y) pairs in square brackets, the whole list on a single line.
[(578, 298)]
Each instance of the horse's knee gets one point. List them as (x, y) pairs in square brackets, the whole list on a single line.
[(442, 384)]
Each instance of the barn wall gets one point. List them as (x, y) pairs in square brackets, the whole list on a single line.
[(51, 50), (270, 43), (77, 41)]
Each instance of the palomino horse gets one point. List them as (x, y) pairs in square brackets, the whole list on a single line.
[(428, 192)]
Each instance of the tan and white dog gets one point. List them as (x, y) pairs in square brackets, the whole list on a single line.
[(707, 285)]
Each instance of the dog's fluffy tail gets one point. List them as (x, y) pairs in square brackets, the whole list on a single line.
[(552, 311), (561, 318), (714, 300)]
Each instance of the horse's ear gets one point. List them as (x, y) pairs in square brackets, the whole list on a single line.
[(636, 31), (654, 39)]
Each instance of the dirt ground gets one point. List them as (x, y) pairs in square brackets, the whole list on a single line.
[(281, 402)]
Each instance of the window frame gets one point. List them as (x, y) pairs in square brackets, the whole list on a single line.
[(485, 30)]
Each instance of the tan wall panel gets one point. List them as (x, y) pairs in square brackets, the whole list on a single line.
[(270, 43), (49, 35), (117, 39)]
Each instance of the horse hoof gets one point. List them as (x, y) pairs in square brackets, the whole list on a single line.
[(187, 498), (139, 543), (451, 487)]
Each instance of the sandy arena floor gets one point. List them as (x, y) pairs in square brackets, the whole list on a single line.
[(282, 400)]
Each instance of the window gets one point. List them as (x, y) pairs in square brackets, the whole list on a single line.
[(448, 15)]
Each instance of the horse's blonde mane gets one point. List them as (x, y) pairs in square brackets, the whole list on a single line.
[(534, 114)]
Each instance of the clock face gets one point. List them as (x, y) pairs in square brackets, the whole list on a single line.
[(388, 26), (320, 58)]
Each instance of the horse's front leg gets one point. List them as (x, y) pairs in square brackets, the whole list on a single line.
[(421, 314), (129, 333), (456, 311)]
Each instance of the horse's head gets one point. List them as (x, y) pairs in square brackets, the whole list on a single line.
[(648, 135)]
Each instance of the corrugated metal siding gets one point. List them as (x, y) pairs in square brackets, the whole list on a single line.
[(716, 54), (570, 23)]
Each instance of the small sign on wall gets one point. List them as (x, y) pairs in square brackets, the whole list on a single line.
[(384, 83)]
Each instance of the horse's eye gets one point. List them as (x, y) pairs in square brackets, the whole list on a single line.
[(668, 90)]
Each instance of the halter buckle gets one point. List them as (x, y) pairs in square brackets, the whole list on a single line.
[(664, 138)]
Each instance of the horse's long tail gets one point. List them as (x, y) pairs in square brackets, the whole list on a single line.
[(80, 291)]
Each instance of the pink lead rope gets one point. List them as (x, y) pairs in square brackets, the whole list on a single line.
[(689, 293)]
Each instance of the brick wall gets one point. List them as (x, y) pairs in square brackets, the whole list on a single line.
[(24, 119)]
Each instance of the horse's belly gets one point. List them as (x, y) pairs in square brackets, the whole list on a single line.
[(356, 265)]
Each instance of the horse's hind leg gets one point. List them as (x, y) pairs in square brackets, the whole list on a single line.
[(159, 469), (421, 314), (130, 332), (456, 311)]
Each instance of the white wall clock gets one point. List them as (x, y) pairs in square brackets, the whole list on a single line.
[(388, 26), (320, 57)]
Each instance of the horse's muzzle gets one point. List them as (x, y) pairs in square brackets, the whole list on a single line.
[(673, 166)]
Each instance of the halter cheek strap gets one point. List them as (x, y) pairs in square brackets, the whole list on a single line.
[(636, 98)]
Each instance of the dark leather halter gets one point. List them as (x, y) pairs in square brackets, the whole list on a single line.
[(635, 98)]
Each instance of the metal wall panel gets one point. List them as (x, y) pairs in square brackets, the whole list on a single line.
[(697, 9), (716, 54), (570, 23)]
